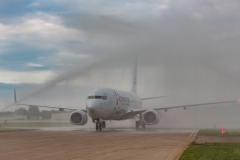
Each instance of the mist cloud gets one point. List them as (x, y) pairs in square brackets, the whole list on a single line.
[(185, 48)]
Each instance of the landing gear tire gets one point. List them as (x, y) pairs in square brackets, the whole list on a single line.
[(137, 125), (96, 127), (143, 126), (103, 124)]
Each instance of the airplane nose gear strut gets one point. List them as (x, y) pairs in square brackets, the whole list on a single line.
[(100, 125)]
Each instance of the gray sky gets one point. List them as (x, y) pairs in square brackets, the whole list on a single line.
[(186, 48)]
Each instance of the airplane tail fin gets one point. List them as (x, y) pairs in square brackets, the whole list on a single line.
[(134, 82), (15, 97)]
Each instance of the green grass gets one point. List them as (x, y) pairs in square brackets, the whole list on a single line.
[(212, 151), (38, 124), (218, 132)]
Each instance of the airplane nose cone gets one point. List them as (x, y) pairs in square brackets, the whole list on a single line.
[(92, 105), (99, 109), (92, 108)]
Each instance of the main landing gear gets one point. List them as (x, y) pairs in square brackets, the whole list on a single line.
[(140, 123), (100, 125)]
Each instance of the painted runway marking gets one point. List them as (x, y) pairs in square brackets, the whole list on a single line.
[(186, 140)]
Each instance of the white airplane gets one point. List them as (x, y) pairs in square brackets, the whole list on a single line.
[(110, 104)]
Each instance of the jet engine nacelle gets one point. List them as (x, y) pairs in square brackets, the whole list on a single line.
[(151, 117), (79, 117)]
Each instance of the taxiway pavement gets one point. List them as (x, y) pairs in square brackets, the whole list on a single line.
[(74, 144)]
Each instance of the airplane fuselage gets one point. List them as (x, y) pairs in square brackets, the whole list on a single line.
[(110, 104)]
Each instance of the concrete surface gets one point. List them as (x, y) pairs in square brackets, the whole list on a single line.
[(71, 143)]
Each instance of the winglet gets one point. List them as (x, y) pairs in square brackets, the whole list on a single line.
[(15, 97)]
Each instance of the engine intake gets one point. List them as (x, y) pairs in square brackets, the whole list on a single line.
[(78, 118), (151, 117)]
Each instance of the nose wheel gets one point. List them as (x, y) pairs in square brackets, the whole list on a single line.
[(100, 125)]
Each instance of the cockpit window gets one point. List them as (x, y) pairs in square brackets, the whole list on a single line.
[(90, 97), (97, 97)]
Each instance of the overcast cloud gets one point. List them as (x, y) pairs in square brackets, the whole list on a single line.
[(187, 48)]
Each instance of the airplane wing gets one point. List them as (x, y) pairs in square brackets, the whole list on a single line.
[(60, 108), (149, 98), (138, 111), (31, 105)]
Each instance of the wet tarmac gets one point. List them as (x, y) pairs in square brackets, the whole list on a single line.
[(74, 143)]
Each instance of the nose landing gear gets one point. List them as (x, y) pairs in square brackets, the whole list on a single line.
[(100, 125)]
